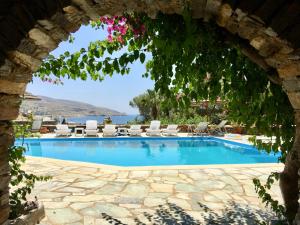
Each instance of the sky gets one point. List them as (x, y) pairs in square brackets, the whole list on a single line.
[(114, 92)]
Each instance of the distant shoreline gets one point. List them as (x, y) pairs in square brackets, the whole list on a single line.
[(58, 108), (118, 119), (83, 115)]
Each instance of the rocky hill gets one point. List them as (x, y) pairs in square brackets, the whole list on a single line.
[(64, 108)]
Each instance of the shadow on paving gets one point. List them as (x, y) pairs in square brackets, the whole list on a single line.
[(171, 214)]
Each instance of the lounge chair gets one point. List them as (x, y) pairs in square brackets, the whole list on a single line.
[(154, 130), (109, 130), (36, 125), (121, 131), (171, 130), (135, 130), (91, 128), (62, 130), (219, 129), (202, 128)]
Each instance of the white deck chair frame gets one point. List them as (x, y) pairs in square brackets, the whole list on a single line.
[(171, 130), (154, 129), (91, 128), (201, 129), (109, 130), (135, 130), (62, 130), (220, 128)]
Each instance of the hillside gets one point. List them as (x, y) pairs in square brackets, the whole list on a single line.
[(64, 108)]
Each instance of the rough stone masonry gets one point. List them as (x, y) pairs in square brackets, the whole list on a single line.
[(31, 29)]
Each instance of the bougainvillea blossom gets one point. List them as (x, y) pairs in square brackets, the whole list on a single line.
[(52, 81), (118, 26)]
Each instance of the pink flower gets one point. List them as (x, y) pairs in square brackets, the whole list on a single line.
[(123, 20), (110, 21), (123, 30), (115, 27), (110, 38), (109, 29), (120, 39)]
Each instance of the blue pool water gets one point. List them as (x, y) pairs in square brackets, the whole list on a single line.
[(147, 151)]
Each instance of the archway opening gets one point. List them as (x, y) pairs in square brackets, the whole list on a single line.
[(287, 67)]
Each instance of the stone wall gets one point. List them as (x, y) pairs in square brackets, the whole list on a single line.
[(33, 29), (6, 139)]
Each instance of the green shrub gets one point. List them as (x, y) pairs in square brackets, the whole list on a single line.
[(21, 182)]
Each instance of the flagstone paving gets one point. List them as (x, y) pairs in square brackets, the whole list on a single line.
[(82, 194)]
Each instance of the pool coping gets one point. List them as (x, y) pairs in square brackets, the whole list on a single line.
[(172, 167), (166, 167)]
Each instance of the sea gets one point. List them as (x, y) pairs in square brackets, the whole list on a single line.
[(115, 119)]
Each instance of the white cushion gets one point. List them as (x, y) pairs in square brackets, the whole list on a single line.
[(172, 127), (91, 124), (135, 127), (110, 127), (62, 127)]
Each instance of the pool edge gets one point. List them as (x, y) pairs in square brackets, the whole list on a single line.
[(173, 167)]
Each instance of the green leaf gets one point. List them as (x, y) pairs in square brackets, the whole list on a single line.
[(116, 65), (99, 66), (142, 57), (136, 54), (84, 58), (71, 39)]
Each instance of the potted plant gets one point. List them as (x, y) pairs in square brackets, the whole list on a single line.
[(237, 128), (107, 120)]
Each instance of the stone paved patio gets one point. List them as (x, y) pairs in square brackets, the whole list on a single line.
[(82, 193)]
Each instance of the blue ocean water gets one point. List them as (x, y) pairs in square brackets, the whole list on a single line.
[(115, 119), (147, 151)]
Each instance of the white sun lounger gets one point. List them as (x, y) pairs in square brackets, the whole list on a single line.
[(171, 130), (36, 125), (201, 129), (135, 130), (154, 130), (219, 129), (91, 128), (62, 130), (109, 130)]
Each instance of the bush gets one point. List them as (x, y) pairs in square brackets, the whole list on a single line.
[(180, 120), (24, 182)]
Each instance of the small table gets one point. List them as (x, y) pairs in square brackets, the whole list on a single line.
[(79, 131), (122, 131)]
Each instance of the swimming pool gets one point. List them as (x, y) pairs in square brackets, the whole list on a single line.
[(147, 151)]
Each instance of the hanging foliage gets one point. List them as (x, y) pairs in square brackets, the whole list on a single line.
[(192, 58)]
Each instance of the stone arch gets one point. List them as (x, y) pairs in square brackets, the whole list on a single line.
[(31, 29)]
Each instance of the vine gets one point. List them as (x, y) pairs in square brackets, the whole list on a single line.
[(262, 191), (194, 59), (22, 182)]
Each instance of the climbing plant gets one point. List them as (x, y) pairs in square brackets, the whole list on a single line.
[(21, 182), (192, 58)]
